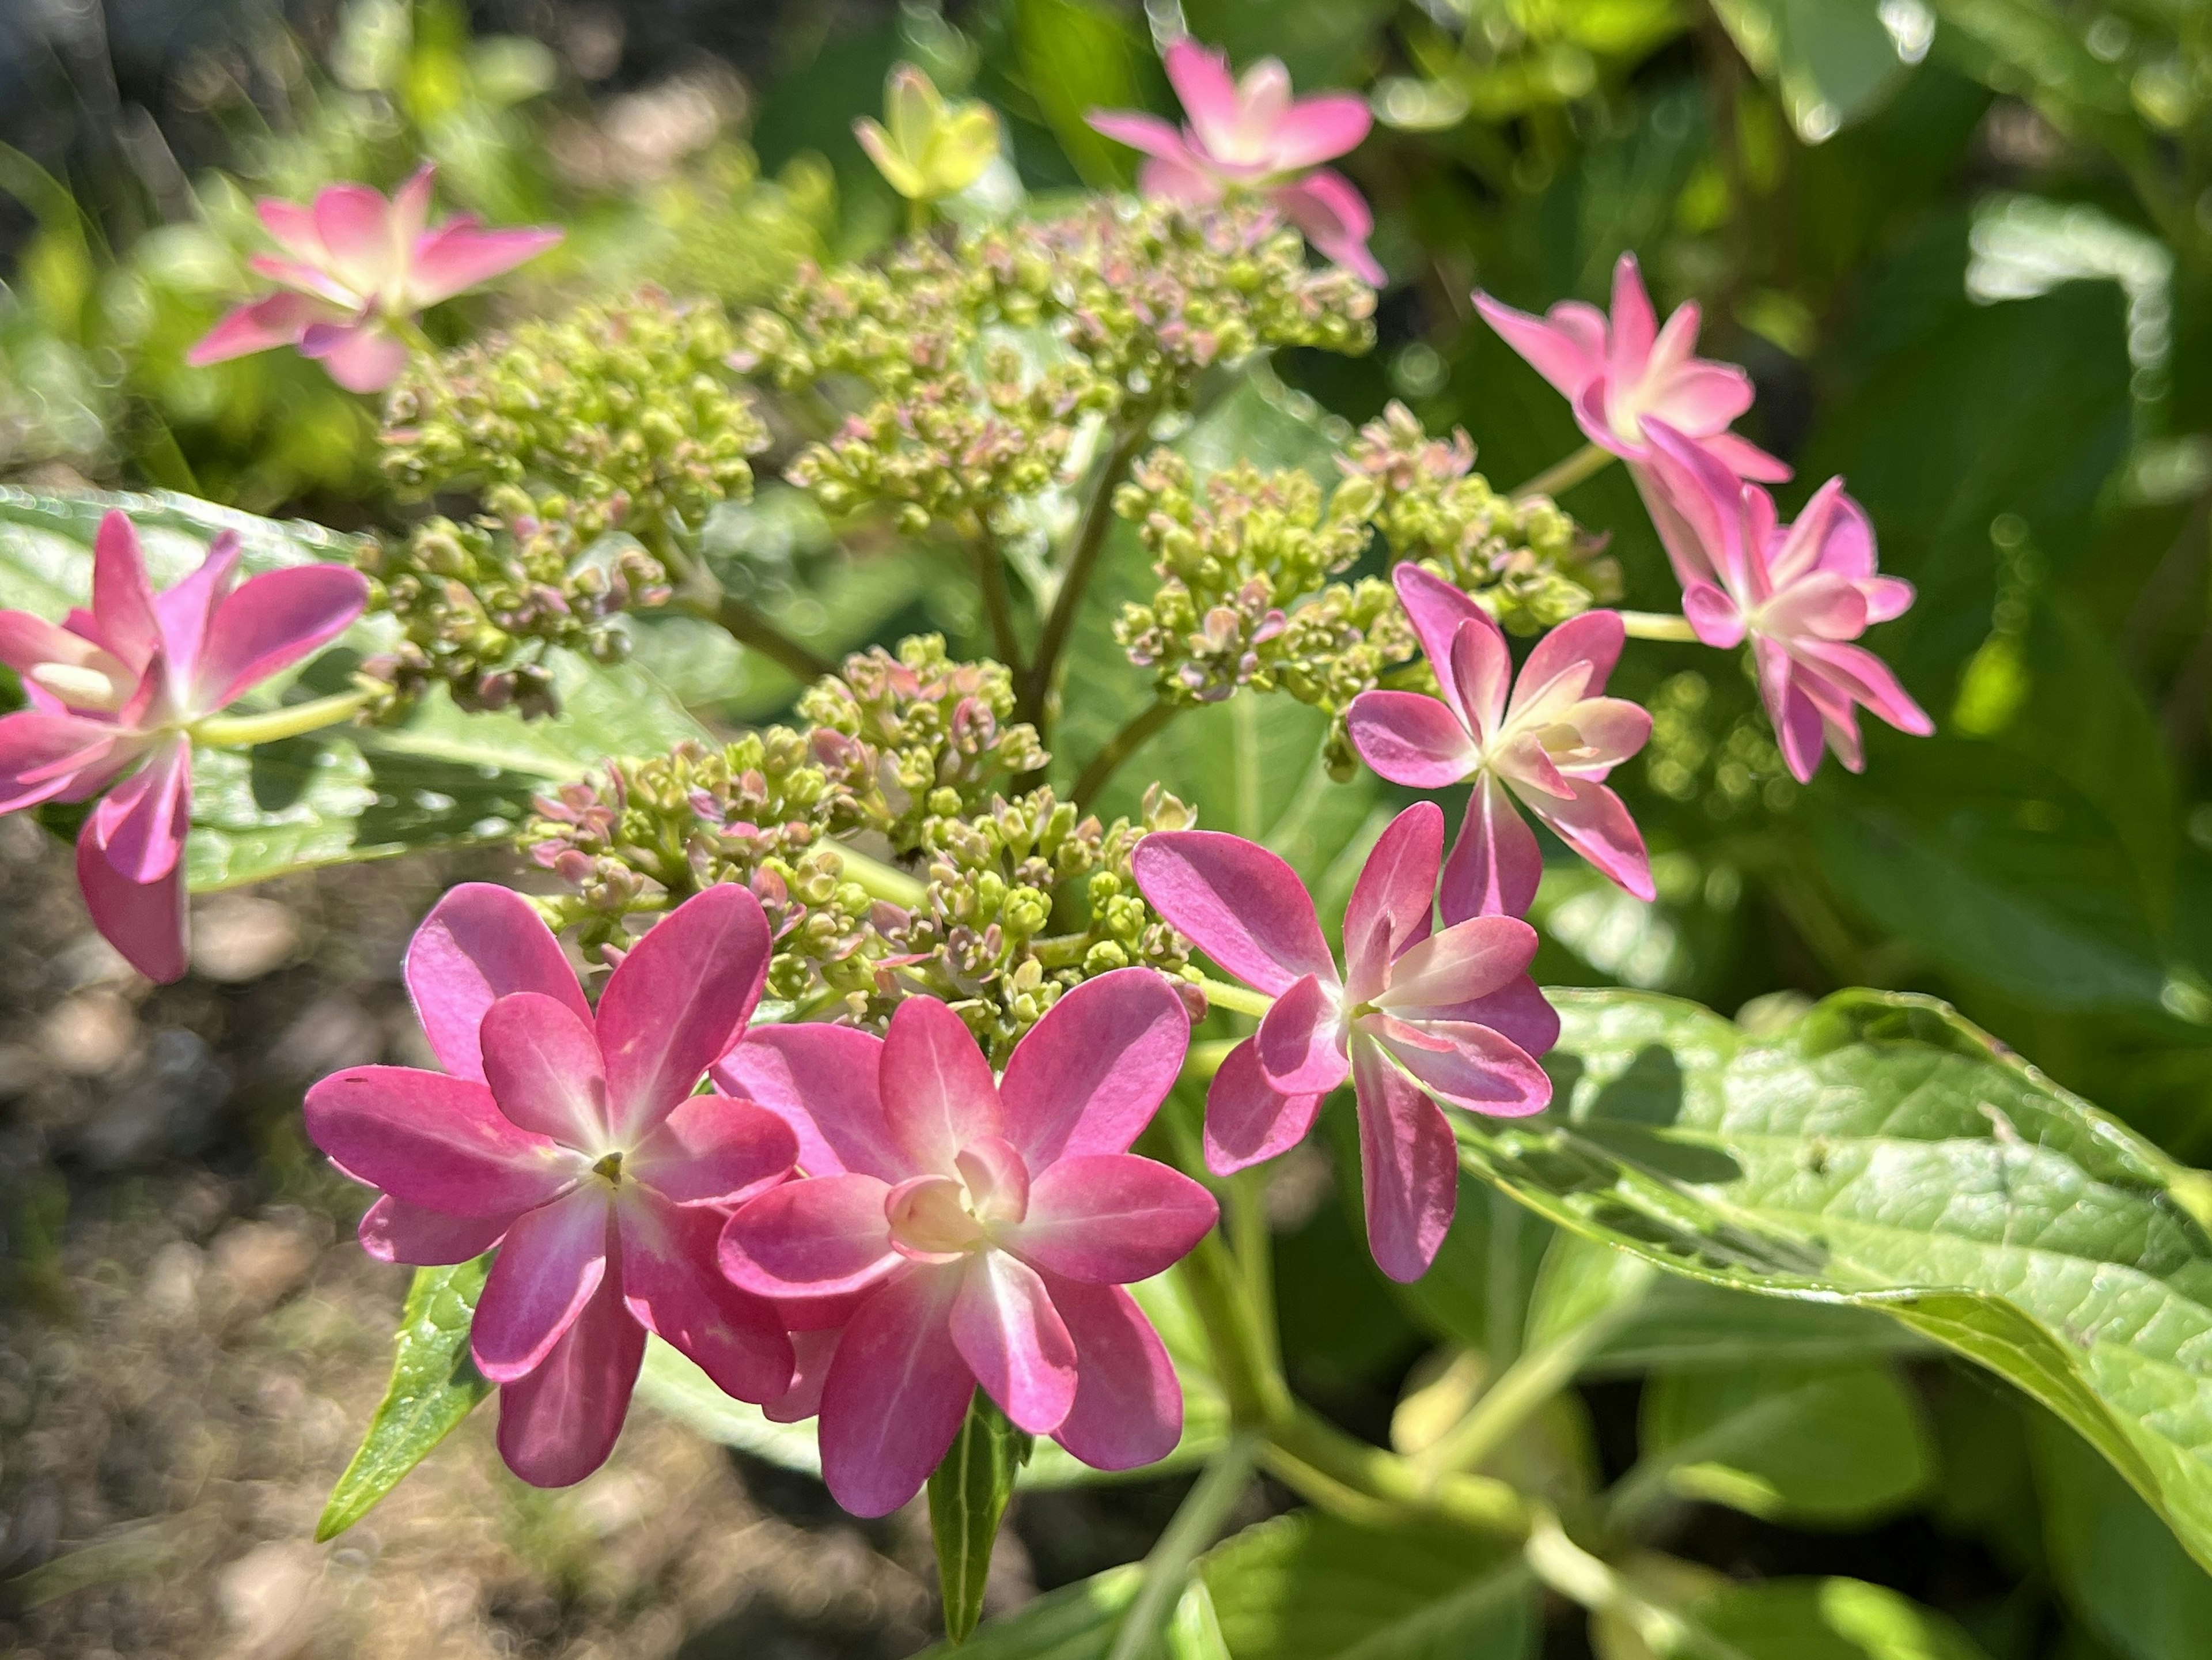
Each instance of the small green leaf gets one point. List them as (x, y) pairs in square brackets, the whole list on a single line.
[(1076, 1622), (968, 1495), (433, 1386)]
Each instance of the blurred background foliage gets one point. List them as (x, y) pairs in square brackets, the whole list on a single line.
[(1965, 246)]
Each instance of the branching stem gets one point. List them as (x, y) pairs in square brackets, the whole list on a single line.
[(1562, 475), (1656, 625), (1082, 560), (1196, 1524), (239, 731), (1135, 732), (749, 628)]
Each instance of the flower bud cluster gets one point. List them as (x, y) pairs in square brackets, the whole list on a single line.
[(1714, 752), (1527, 561)]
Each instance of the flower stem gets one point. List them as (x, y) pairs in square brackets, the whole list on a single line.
[(1253, 1389), (1240, 999), (1197, 1522), (998, 602), (1311, 1444), (1656, 625), (882, 881), (1135, 732), (291, 719), (1090, 537), (1595, 1583), (749, 628), (1562, 475)]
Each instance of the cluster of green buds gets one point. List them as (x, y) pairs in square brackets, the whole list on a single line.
[(1523, 557), (1712, 749)]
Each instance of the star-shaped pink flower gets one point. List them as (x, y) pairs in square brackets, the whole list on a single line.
[(1451, 1014), (1545, 741), (115, 692), (572, 1141), (1801, 593), (963, 1231), (352, 265), (1251, 137)]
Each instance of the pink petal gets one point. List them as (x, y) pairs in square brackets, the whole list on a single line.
[(144, 921), (42, 756), (433, 1140), (1797, 724), (1128, 1401), (1436, 609), (1248, 1120), (292, 226), (122, 596), (139, 825), (1481, 667), (1713, 616), (1468, 961), (1110, 1218), (354, 224), (1470, 1066), (1819, 606), (1701, 398), (1408, 1168), (895, 1395), (1319, 129), (1201, 79), (998, 1179), (1005, 1328), (1179, 179), (1089, 1076), (1569, 355), (186, 612), (549, 1265), (1390, 903), (1300, 1042), (273, 621), (1887, 597), (811, 1354), (558, 1425), (28, 641), (1634, 324), (826, 1236), (478, 944), (1609, 731), (1590, 644), (673, 1289), (714, 1151), (1746, 459), (1410, 739), (1516, 1012), (1495, 865), (679, 1002), (410, 206), (1238, 903), (393, 1231), (362, 357), (1706, 501), (1146, 133), (822, 1081), (1858, 674), (1335, 219), (458, 256), (1841, 534), (543, 1064), (939, 1095), (1595, 824), (278, 320)]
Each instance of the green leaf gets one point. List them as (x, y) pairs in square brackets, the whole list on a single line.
[(1883, 1151), (1833, 61), (1076, 1622), (1077, 57), (1828, 1446), (968, 1495), (433, 1386), (1831, 1619), (1310, 1587)]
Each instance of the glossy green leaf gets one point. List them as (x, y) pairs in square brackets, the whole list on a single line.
[(968, 1495), (1076, 1622), (1831, 1619), (1078, 56), (1883, 1151), (433, 1386), (1830, 1446), (1833, 61)]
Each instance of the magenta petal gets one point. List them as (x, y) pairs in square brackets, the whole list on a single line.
[(458, 256), (187, 611), (144, 921), (1410, 739), (1408, 1168), (272, 620), (1089, 1076), (121, 595), (1390, 903), (433, 1140), (1495, 865), (1436, 610), (671, 1287), (1635, 325), (1562, 356), (1201, 79), (1336, 218), (139, 825), (1596, 823), (276, 320), (1248, 1120), (1319, 129), (1110, 1218), (1518, 1012), (811, 1352), (822, 1081), (1590, 642), (1146, 133), (1860, 677), (712, 1150), (1713, 616), (1468, 960), (393, 1231), (478, 944), (1241, 905), (1300, 1042), (353, 225), (679, 1002), (361, 357), (897, 1393), (549, 1265), (43, 755), (1128, 1401), (558, 1425), (1005, 1328), (826, 1236), (542, 1063), (938, 1094), (1470, 1066)]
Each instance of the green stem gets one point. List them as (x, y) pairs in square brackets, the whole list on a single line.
[(239, 731), (1253, 1243), (1204, 1060), (883, 881), (1242, 1000), (1656, 625), (1313, 1443), (917, 216), (1596, 1584), (1135, 732), (1198, 1521), (1253, 1389), (1090, 537), (749, 628), (997, 601), (1562, 475)]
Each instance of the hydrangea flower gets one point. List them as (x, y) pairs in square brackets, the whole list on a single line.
[(114, 694), (355, 269), (1801, 593), (1545, 741), (966, 1232), (1417, 1014), (573, 1142), (1251, 137)]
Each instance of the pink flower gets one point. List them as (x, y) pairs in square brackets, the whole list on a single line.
[(1549, 745), (965, 1231), (353, 265), (115, 692), (1249, 138), (1800, 592), (574, 1143), (1452, 1015)]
